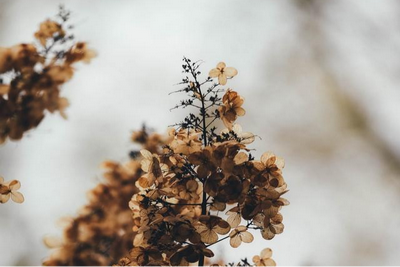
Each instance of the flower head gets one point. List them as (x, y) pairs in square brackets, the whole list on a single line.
[(231, 108), (222, 72), (264, 259), (240, 235), (9, 189)]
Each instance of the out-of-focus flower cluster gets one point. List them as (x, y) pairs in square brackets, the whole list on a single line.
[(102, 232), (197, 176), (31, 76), (10, 189)]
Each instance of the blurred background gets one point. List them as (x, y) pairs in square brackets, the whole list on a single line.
[(321, 82)]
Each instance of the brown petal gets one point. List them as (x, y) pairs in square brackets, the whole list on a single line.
[(267, 233), (14, 185), (240, 111), (209, 236), (235, 241)]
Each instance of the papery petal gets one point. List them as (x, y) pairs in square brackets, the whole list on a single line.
[(277, 228), (209, 236), (267, 233), (280, 162), (266, 156), (14, 185), (221, 65), (240, 111), (247, 138), (235, 241), (214, 73), (146, 154), (222, 228), (4, 198), (52, 241), (230, 72), (266, 253), (145, 165), (256, 260), (240, 158), (247, 237), (222, 79), (234, 219), (17, 197), (269, 262), (241, 228)]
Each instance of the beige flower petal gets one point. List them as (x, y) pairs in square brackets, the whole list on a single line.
[(277, 228), (214, 73), (266, 157), (14, 185), (256, 260), (222, 79), (234, 219), (222, 228), (221, 65), (17, 197), (230, 72), (235, 241), (269, 262), (241, 228), (240, 111), (4, 198), (240, 158), (1, 180), (52, 241), (145, 165), (237, 129), (247, 237), (247, 138), (266, 253), (280, 162), (146, 154)]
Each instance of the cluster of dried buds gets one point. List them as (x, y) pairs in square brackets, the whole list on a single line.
[(102, 232), (31, 76), (200, 174), (10, 189)]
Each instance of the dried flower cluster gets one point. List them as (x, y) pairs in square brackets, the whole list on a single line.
[(199, 174), (31, 76), (9, 189), (102, 232)]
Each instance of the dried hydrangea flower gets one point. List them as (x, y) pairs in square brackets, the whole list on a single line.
[(231, 108), (38, 71), (239, 235), (223, 72), (102, 232), (264, 259), (204, 173), (9, 189)]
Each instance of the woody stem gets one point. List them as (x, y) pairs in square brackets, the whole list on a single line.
[(204, 203), (204, 134)]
